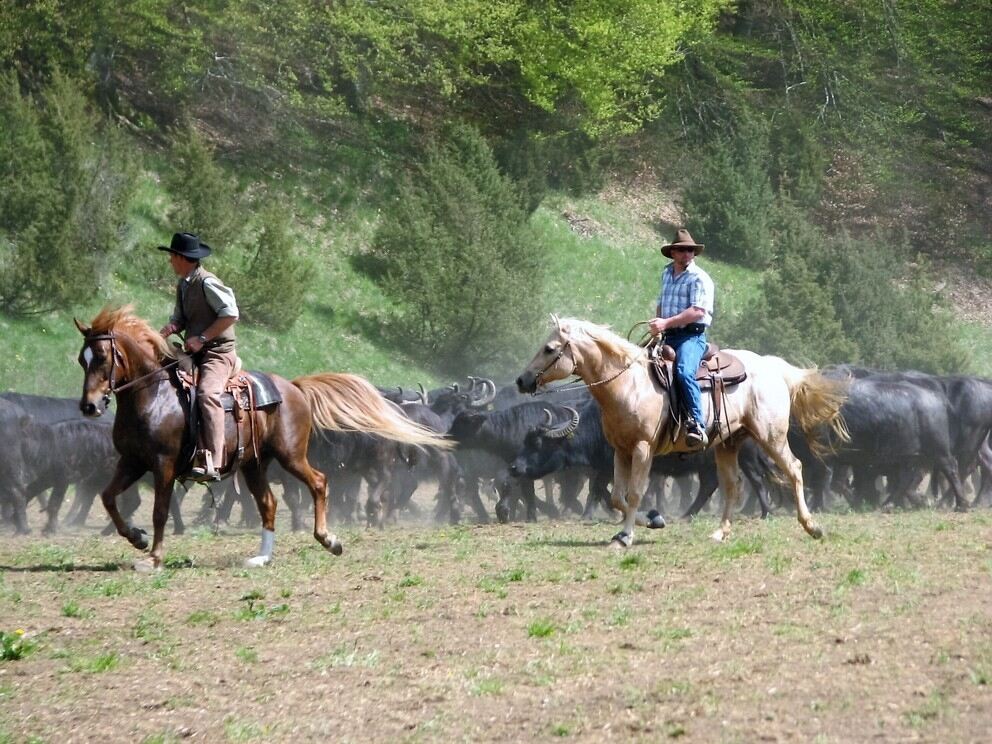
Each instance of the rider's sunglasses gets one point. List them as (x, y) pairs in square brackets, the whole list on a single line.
[(683, 249)]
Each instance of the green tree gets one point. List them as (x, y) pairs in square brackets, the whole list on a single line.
[(730, 200), (458, 257), (272, 290), (793, 318), (206, 200), (69, 180)]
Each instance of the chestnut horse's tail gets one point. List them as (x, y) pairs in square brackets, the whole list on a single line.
[(816, 403), (345, 402)]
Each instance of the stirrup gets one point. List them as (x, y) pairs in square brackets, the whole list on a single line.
[(695, 435), (206, 471)]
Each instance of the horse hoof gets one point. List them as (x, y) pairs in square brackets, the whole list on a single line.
[(146, 565), (815, 531), (655, 520), (139, 538), (621, 540), (334, 546), (718, 536), (258, 561)]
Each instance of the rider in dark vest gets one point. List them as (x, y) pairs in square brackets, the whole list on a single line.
[(207, 311)]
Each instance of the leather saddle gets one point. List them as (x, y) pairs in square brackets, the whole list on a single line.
[(716, 371), (243, 393), (715, 363)]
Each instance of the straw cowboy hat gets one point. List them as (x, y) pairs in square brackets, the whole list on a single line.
[(682, 240), (188, 245)]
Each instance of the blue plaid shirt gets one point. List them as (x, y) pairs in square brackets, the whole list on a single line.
[(692, 288)]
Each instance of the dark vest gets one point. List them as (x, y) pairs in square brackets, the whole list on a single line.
[(197, 315)]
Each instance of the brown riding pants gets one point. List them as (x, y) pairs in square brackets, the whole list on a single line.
[(216, 367)]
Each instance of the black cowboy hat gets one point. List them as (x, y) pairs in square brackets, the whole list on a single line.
[(188, 245), (682, 240)]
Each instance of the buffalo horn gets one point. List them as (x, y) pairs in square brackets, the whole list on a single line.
[(423, 394), (566, 429), (488, 394)]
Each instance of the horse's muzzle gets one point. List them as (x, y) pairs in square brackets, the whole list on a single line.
[(527, 382), (91, 409)]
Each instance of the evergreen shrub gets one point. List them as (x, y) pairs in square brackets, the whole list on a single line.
[(731, 202), (68, 177), (206, 200), (457, 256), (272, 289)]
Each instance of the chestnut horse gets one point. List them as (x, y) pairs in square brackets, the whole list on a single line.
[(635, 413), (123, 355)]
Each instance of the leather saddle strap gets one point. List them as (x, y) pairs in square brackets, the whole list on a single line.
[(718, 391), (251, 418)]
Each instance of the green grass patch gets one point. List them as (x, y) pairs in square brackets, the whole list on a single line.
[(15, 645), (541, 628), (632, 560), (71, 608), (246, 655), (487, 686), (347, 656), (854, 577), (740, 547), (236, 730), (202, 617), (94, 664)]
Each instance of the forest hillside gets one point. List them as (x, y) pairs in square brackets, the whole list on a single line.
[(407, 190)]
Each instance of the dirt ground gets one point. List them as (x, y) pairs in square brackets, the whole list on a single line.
[(882, 631)]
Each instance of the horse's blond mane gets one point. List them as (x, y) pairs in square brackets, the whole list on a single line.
[(123, 321), (602, 336)]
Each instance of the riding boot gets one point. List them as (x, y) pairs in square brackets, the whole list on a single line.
[(206, 471), (695, 435)]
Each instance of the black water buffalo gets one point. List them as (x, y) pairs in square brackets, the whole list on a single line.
[(900, 426), (498, 435), (14, 474), (45, 409), (428, 462)]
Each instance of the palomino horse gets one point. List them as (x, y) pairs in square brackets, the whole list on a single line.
[(635, 413), (122, 354)]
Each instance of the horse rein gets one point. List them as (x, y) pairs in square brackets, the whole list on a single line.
[(116, 355)]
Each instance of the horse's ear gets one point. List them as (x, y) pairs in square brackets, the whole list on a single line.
[(84, 329), (556, 320)]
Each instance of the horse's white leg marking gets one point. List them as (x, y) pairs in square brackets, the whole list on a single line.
[(264, 556), (727, 472)]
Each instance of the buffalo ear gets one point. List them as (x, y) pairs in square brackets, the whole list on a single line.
[(84, 329)]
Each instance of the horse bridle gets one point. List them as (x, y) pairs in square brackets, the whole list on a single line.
[(564, 388), (561, 352), (115, 358)]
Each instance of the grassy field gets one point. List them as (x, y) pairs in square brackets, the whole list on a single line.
[(881, 631)]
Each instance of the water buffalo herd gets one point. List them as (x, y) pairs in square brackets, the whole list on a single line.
[(904, 428)]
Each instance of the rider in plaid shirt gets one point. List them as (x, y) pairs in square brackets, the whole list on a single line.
[(685, 310)]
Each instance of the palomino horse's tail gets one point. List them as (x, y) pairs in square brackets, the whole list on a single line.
[(344, 402), (816, 403)]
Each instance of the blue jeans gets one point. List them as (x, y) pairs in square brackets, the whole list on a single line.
[(689, 350)]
